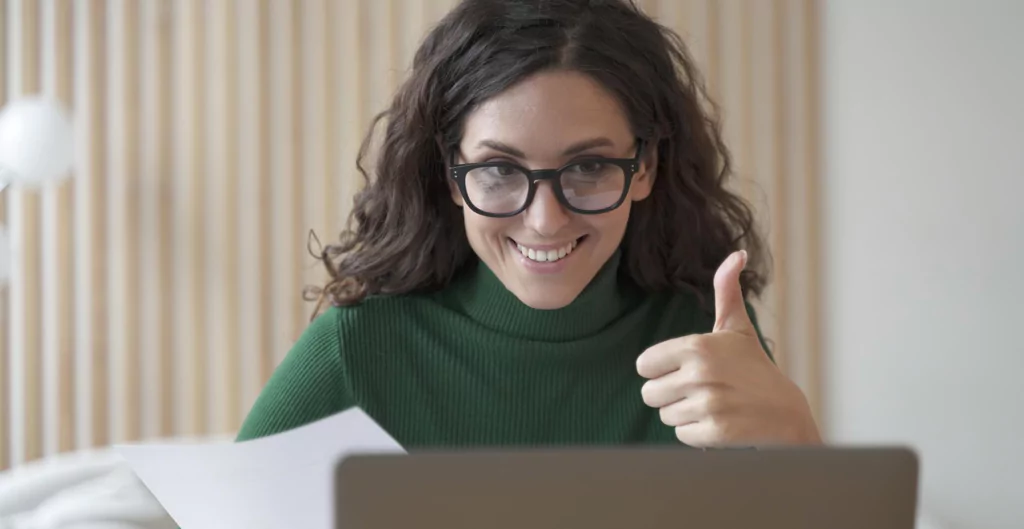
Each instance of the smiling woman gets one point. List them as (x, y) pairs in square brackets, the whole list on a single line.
[(546, 251)]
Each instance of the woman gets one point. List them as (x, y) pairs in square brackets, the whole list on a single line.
[(546, 252)]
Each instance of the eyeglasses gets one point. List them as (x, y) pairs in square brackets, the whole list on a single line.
[(588, 186)]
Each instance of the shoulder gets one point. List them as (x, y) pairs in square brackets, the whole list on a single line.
[(381, 314), (306, 386), (382, 330), (328, 366)]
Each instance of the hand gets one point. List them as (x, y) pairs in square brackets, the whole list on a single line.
[(721, 388)]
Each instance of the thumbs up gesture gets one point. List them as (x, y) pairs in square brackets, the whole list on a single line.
[(721, 388)]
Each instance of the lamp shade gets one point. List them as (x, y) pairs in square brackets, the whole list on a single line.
[(36, 142)]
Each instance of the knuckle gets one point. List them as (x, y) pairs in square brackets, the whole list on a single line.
[(699, 370), (724, 431), (714, 405), (700, 343), (716, 429)]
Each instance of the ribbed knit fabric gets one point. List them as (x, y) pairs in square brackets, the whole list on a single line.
[(472, 366)]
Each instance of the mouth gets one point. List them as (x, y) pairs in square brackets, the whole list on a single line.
[(547, 254)]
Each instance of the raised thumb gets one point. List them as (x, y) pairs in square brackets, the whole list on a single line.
[(730, 308)]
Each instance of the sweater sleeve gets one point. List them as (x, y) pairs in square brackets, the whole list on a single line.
[(308, 385)]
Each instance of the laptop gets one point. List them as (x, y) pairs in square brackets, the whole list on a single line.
[(630, 488)]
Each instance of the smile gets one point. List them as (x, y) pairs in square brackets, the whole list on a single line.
[(547, 255)]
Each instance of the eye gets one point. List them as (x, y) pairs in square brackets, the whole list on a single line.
[(503, 170), (587, 167)]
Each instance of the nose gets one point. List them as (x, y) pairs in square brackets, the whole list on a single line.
[(546, 216)]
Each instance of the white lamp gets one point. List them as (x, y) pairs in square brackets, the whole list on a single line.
[(36, 148)]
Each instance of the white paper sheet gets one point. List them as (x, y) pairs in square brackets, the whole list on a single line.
[(276, 482)]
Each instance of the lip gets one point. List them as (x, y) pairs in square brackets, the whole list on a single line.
[(546, 267)]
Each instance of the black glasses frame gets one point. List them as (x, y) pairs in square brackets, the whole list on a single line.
[(629, 167)]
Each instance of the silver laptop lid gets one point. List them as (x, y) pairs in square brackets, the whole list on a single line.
[(784, 488)]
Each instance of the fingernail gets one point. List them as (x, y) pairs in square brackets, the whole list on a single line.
[(743, 259)]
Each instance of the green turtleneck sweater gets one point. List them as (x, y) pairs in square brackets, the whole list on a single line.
[(471, 365)]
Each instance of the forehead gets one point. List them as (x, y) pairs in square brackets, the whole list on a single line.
[(548, 111)]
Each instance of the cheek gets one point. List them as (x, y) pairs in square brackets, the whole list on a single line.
[(484, 230), (612, 225)]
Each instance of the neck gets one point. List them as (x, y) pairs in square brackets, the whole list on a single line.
[(483, 298)]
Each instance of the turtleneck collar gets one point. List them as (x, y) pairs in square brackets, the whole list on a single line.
[(483, 297)]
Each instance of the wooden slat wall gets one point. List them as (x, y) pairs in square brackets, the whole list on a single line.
[(153, 293)]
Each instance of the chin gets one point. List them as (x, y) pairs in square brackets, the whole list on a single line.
[(545, 299)]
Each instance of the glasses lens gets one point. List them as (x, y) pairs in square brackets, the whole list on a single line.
[(497, 189), (593, 185)]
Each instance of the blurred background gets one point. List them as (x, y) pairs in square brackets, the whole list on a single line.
[(152, 292)]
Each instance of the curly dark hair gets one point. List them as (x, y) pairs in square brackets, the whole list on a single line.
[(405, 233)]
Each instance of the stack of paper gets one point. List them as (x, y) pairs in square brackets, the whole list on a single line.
[(276, 482)]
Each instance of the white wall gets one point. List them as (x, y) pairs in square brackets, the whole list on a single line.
[(924, 210)]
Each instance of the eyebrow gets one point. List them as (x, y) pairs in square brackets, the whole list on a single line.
[(575, 148)]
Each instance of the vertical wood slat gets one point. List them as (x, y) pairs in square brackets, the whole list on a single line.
[(50, 364), (95, 188), (810, 61), (133, 125), (353, 113), (193, 211), (376, 48), (332, 139), (14, 364), (412, 21), (246, 48), (394, 47), (745, 140), (263, 288), (690, 19), (296, 248), (121, 219), (189, 217), (729, 91), (5, 389), (282, 166), (255, 222), (317, 120), (155, 279), (713, 58), (211, 195), (90, 386), (153, 343), (65, 315), (232, 353), (57, 239), (280, 153), (776, 105), (165, 179), (221, 210), (26, 281), (113, 217)]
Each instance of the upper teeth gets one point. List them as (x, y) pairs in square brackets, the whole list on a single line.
[(546, 255)]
